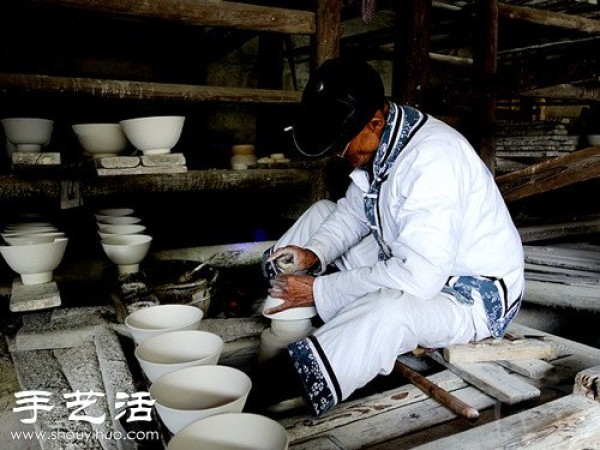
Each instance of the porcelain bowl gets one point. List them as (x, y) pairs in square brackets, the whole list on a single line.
[(115, 212), (35, 263), (101, 139), (593, 139), (127, 250), (154, 135), (232, 431), (31, 238), (302, 312), (28, 134), (148, 322), (175, 350), (109, 229), (187, 395), (117, 220)]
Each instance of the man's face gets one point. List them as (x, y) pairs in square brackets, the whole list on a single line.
[(361, 150)]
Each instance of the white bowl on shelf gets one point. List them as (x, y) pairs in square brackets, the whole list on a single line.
[(154, 135), (176, 350), (35, 263), (302, 312), (152, 321), (127, 250), (593, 139), (187, 395), (100, 139), (115, 212), (117, 220), (28, 134), (229, 431)]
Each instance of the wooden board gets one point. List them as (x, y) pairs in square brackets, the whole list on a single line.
[(491, 379), (499, 349), (531, 368), (34, 297)]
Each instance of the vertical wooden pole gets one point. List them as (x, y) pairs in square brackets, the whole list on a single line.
[(329, 30), (269, 73), (410, 76), (485, 64)]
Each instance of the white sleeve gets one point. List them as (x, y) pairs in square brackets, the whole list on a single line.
[(343, 228), (429, 219)]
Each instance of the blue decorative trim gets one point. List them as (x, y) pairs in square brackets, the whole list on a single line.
[(315, 389), (401, 125), (498, 315)]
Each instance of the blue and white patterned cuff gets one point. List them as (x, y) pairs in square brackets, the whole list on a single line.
[(315, 375)]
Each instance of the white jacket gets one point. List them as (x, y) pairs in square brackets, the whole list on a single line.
[(441, 215)]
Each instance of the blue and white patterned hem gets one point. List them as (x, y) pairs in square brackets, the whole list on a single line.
[(316, 390)]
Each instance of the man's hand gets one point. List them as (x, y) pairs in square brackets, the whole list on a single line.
[(291, 259), (294, 290)]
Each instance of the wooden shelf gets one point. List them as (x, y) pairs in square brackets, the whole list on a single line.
[(211, 180), (138, 90)]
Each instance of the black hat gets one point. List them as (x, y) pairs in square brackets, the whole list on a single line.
[(337, 103)]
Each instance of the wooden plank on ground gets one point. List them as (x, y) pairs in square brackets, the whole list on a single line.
[(563, 171), (567, 423), (491, 379), (499, 349), (390, 424), (531, 368)]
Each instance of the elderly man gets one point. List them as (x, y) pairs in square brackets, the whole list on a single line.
[(423, 248)]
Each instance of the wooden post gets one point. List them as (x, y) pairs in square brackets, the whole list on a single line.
[(485, 62), (411, 51), (329, 31)]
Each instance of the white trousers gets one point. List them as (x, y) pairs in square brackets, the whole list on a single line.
[(367, 336)]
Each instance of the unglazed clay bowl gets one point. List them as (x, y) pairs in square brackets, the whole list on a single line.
[(593, 139), (155, 320), (115, 212), (108, 229), (31, 238), (187, 395), (154, 135), (303, 312), (127, 250), (101, 139), (35, 263), (28, 134), (231, 431), (175, 350), (117, 220)]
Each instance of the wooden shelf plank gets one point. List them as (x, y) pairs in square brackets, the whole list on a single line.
[(204, 12), (139, 90)]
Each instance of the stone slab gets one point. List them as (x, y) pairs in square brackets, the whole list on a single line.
[(34, 297), (170, 159), (117, 162), (141, 171), (26, 159)]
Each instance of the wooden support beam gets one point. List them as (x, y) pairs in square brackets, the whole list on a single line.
[(122, 89), (563, 171), (242, 16), (329, 30), (410, 76), (548, 18), (486, 68)]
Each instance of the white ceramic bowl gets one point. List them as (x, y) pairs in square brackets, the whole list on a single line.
[(187, 395), (115, 212), (31, 238), (133, 228), (175, 350), (101, 139), (35, 263), (231, 431), (28, 134), (593, 139), (127, 250), (155, 320), (154, 135), (117, 220), (303, 312)]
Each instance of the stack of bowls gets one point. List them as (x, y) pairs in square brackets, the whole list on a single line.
[(34, 250), (122, 239)]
